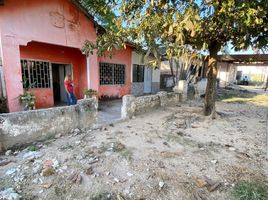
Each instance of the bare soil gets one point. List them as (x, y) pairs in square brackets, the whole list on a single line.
[(174, 153)]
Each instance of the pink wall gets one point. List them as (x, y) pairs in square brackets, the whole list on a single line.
[(26, 30), (122, 56), (57, 54), (57, 22)]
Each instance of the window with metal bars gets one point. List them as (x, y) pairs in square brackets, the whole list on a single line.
[(112, 74), (138, 73), (36, 74)]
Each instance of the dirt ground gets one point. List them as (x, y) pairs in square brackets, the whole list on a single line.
[(173, 153)]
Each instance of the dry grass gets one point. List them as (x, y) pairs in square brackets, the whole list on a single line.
[(259, 100)]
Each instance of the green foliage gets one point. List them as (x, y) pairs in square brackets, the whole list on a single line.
[(248, 190), (28, 100), (101, 10), (32, 148), (26, 85), (90, 92)]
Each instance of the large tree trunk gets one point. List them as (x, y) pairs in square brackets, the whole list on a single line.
[(210, 97)]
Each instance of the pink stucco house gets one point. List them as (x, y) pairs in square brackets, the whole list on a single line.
[(41, 40)]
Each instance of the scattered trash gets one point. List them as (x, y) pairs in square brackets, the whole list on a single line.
[(200, 182), (129, 174), (76, 178), (8, 153), (9, 194), (89, 171), (31, 155), (11, 171), (165, 143), (47, 171), (232, 149), (161, 185), (116, 180), (212, 185), (4, 162), (47, 186), (214, 161), (76, 131)]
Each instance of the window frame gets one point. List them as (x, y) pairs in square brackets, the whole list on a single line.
[(113, 65), (143, 73), (48, 80)]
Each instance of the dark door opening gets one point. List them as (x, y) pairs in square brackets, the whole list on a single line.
[(59, 71)]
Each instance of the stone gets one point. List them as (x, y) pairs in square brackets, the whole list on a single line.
[(161, 185), (8, 153), (11, 171), (165, 143), (161, 164), (116, 180), (4, 162), (76, 131), (195, 125), (47, 186), (89, 171), (31, 155), (9, 194), (232, 149), (58, 135), (214, 161), (48, 171), (129, 174), (200, 183), (76, 178), (215, 186)]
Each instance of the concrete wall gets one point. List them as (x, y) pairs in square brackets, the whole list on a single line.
[(56, 54), (137, 89), (136, 105), (120, 56), (22, 128), (156, 81)]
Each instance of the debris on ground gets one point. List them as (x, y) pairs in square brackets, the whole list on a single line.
[(170, 153)]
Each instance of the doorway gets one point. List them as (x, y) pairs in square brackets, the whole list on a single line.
[(59, 71)]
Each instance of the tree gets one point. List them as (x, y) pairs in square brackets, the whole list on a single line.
[(204, 24)]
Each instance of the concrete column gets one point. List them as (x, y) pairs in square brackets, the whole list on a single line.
[(12, 72), (128, 106), (163, 98), (182, 89), (93, 76)]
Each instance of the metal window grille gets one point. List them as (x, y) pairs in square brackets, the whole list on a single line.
[(112, 74), (36, 74), (138, 73)]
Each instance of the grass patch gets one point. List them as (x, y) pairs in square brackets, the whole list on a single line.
[(127, 154), (33, 148), (260, 100), (250, 190), (229, 94)]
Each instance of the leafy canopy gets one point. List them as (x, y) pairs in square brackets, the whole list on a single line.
[(203, 24)]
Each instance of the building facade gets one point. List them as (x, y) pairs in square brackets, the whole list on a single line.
[(40, 43)]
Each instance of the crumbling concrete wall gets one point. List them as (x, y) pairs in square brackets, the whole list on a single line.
[(21, 128), (132, 106)]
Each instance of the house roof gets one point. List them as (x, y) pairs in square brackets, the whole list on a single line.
[(99, 28), (244, 58)]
